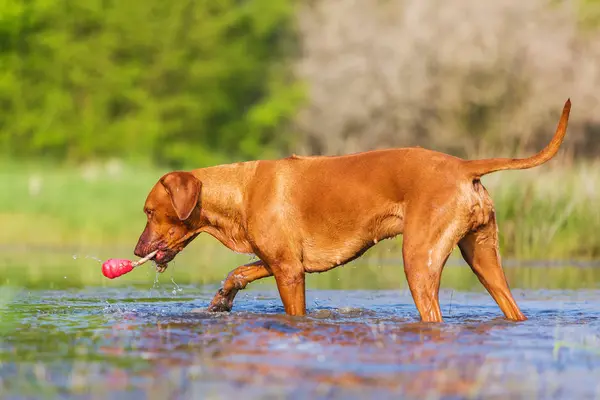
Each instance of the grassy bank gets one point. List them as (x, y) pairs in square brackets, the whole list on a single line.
[(52, 218), (203, 264)]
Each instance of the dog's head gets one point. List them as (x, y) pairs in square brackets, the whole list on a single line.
[(173, 211)]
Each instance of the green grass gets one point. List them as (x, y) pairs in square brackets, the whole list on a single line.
[(49, 214), (548, 212), (95, 205)]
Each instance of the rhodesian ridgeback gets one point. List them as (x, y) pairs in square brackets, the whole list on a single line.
[(310, 214)]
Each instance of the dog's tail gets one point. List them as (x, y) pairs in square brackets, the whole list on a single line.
[(478, 168)]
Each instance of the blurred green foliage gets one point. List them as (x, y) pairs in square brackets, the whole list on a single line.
[(589, 13), (178, 83)]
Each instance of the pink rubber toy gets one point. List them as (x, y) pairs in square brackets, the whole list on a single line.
[(115, 267)]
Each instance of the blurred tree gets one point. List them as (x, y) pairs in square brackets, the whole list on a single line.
[(180, 83), (490, 85)]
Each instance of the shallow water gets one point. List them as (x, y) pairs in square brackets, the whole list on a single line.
[(138, 342)]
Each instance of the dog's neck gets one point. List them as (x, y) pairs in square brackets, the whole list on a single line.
[(222, 208)]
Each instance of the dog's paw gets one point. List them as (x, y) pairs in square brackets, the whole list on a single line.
[(219, 307), (220, 303)]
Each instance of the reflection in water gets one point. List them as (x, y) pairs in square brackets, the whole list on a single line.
[(123, 343)]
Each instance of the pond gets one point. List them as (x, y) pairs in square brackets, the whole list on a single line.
[(144, 341)]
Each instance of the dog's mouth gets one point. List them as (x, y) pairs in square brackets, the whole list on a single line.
[(164, 256)]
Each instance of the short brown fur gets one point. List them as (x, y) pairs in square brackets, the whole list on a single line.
[(312, 214)]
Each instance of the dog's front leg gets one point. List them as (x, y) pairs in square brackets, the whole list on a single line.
[(291, 286), (237, 280)]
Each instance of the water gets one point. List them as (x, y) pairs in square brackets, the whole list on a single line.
[(75, 257), (136, 342)]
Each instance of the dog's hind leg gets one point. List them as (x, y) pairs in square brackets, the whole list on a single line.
[(480, 251), (428, 242), (237, 280)]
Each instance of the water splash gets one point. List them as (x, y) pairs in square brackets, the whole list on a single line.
[(75, 257), (113, 308), (176, 287), (155, 284)]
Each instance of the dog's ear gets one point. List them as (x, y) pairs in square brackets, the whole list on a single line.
[(184, 190)]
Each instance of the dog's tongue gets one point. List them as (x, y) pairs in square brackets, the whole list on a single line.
[(115, 267)]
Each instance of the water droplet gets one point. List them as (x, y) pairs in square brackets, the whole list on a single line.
[(176, 288)]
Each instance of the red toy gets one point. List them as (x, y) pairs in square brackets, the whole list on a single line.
[(115, 267)]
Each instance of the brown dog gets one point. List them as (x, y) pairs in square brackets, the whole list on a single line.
[(311, 214)]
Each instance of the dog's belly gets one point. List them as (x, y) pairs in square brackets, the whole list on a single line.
[(322, 253)]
